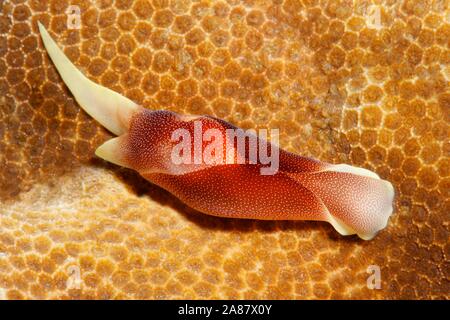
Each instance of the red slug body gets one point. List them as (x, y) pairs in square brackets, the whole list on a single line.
[(230, 190), (228, 180), (301, 188)]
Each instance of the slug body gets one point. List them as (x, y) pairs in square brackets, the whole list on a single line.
[(225, 180)]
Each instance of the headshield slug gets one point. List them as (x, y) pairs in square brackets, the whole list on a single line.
[(220, 176)]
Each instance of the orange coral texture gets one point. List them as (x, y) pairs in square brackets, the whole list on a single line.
[(340, 85)]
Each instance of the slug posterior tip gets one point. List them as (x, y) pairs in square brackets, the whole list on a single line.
[(112, 151), (108, 107)]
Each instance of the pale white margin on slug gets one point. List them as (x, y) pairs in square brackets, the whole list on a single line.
[(353, 170), (341, 227), (108, 107)]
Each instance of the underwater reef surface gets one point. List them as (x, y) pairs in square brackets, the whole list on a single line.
[(344, 81)]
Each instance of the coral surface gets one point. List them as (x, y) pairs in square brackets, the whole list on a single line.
[(357, 82)]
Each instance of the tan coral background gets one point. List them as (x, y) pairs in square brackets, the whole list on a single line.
[(340, 85)]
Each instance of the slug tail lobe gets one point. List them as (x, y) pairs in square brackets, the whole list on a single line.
[(109, 108), (113, 151)]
